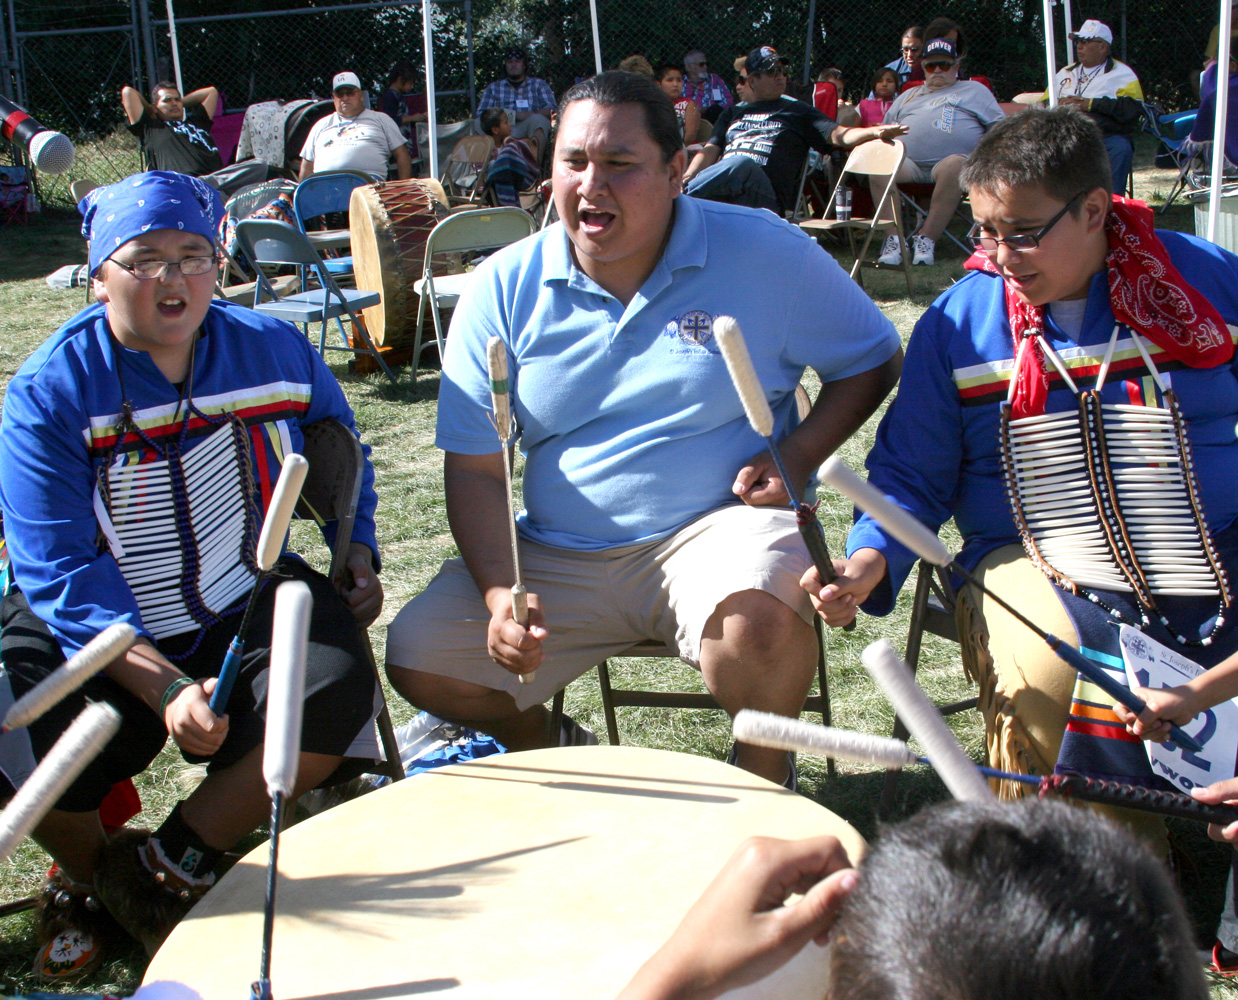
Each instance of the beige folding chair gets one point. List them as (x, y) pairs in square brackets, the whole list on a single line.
[(881, 159), (480, 229), (77, 191), (332, 488), (464, 176)]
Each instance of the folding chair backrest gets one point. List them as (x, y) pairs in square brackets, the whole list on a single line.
[(875, 158), (327, 192), (266, 241), (481, 229), (79, 189), (466, 166), (472, 149), (333, 484)]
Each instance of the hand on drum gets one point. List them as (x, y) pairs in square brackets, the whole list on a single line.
[(740, 930), (191, 723), (858, 576), (1177, 705), (361, 589), (1214, 794), (509, 644)]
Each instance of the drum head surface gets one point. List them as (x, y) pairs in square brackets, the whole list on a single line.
[(552, 873)]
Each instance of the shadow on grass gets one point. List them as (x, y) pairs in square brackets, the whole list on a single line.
[(50, 240)]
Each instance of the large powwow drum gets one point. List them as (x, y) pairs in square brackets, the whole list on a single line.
[(390, 223)]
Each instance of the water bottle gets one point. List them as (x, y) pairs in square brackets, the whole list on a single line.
[(842, 203)]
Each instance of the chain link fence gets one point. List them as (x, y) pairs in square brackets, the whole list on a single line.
[(285, 50)]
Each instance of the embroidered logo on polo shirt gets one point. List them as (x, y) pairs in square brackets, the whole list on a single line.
[(696, 327)]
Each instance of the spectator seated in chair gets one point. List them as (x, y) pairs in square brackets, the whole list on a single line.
[(175, 134), (944, 120), (400, 83), (156, 376), (528, 100), (908, 62), (756, 154), (884, 89), (515, 164), (354, 138), (706, 90), (1107, 91), (670, 79)]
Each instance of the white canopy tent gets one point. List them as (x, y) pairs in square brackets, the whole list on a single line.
[(427, 33)]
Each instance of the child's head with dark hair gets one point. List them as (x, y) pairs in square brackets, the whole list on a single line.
[(492, 119), (884, 83), (1059, 150), (1012, 901)]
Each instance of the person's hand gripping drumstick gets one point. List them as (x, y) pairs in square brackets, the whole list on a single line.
[(739, 365), (505, 424), (270, 544)]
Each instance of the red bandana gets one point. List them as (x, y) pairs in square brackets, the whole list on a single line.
[(1146, 292)]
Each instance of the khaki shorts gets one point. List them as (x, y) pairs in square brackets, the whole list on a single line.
[(598, 604)]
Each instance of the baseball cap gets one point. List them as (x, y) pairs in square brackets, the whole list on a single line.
[(1093, 29), (939, 50), (345, 80), (763, 59)]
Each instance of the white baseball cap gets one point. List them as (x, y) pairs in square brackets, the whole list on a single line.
[(351, 79), (1093, 29)]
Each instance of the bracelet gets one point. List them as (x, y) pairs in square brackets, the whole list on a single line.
[(171, 691)]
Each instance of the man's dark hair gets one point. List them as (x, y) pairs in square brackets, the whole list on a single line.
[(489, 119), (615, 87), (403, 70), (1010, 901), (1061, 151), (939, 27), (162, 85), (913, 31)]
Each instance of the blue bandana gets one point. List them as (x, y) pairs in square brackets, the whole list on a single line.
[(157, 199)]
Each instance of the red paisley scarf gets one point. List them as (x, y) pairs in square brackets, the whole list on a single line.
[(1146, 292)]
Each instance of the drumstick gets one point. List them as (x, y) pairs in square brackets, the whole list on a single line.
[(281, 750), (895, 678), (270, 544), (97, 723), (500, 399), (780, 733), (930, 548), (744, 377), (113, 641)]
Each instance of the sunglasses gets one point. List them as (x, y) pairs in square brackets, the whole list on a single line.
[(937, 67)]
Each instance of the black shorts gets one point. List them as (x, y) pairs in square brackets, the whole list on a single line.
[(340, 687)]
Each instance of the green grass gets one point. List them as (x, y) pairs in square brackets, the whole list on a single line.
[(398, 424)]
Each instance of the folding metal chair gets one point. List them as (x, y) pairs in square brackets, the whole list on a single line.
[(265, 241), (332, 488), (324, 194), (77, 191), (932, 610), (480, 229), (464, 176), (910, 191), (1169, 152), (866, 160)]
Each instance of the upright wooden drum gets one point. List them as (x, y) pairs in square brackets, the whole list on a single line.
[(552, 873), (390, 223)]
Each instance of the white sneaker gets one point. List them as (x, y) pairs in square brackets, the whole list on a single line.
[(891, 252), (923, 250)]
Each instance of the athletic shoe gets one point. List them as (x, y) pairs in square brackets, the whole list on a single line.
[(791, 782), (923, 250), (573, 734), (891, 251)]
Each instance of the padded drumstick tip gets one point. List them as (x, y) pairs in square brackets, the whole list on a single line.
[(894, 678), (279, 513), (744, 377), (500, 398), (112, 642), (97, 723), (892, 518), (764, 729), (286, 686)]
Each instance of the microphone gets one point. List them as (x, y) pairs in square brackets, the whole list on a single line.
[(50, 152)]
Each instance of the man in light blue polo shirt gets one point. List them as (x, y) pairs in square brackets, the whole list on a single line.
[(652, 510)]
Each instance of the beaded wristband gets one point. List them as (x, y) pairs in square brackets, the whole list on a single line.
[(171, 691)]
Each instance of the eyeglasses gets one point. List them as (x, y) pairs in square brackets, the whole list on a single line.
[(938, 67), (149, 270), (1023, 242), (913, 48), (346, 92)]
